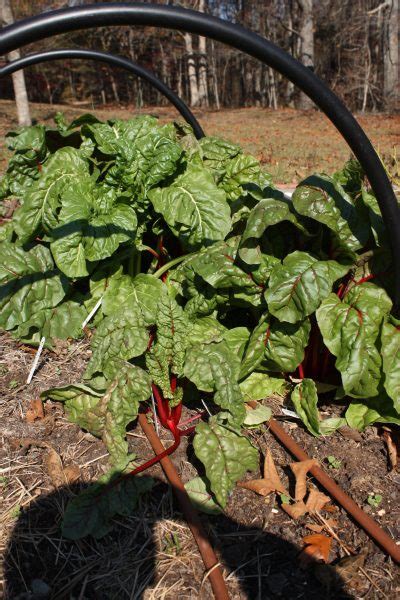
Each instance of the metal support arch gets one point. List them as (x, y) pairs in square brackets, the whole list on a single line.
[(98, 15), (115, 61)]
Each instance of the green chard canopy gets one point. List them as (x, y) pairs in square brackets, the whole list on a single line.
[(210, 287)]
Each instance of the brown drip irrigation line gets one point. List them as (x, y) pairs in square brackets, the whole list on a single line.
[(380, 537), (207, 553)]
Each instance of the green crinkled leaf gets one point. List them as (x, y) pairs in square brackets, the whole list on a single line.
[(206, 330), (257, 416), (92, 225), (390, 339), (91, 512), (29, 283), (323, 199), (237, 339), (297, 287), (269, 211), (350, 328), (142, 290), (215, 368), (305, 399), (42, 201), (107, 413), (147, 162), (122, 335), (239, 171), (216, 151), (201, 498), (255, 348), (258, 386), (380, 409), (194, 208), (216, 266), (167, 353), (118, 136), (61, 322), (226, 455), (285, 344)]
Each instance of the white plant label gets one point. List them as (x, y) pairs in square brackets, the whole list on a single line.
[(36, 360), (92, 312)]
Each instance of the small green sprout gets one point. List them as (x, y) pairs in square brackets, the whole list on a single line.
[(333, 462), (284, 499), (16, 511), (13, 384), (3, 480), (374, 500)]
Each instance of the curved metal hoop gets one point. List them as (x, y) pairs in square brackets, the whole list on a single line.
[(115, 61), (84, 17)]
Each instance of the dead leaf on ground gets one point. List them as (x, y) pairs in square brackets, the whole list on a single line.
[(316, 528), (348, 569), (269, 483), (300, 470), (317, 548), (54, 467), (316, 501), (350, 434), (296, 510), (391, 448), (35, 411)]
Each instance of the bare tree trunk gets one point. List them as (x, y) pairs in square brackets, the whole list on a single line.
[(194, 89), (21, 97), (391, 56), (214, 76), (307, 45), (203, 79)]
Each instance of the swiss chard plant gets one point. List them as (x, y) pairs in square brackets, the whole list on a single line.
[(213, 290)]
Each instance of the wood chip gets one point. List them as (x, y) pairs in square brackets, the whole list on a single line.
[(53, 465), (316, 528)]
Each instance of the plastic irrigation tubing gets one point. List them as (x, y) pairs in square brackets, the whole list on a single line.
[(64, 20), (365, 521), (207, 553), (115, 61)]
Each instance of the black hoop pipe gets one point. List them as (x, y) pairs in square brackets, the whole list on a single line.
[(115, 61), (99, 15)]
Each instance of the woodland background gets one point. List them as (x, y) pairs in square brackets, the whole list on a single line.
[(353, 45)]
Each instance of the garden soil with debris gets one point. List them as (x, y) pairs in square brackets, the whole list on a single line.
[(45, 460)]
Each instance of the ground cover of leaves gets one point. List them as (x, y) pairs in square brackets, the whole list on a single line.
[(292, 143), (152, 554)]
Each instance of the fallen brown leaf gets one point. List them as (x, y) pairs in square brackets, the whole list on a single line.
[(391, 448), (269, 483), (72, 473), (53, 465), (316, 528), (58, 474), (350, 434), (347, 568), (35, 411), (296, 510), (300, 470), (316, 501), (317, 548)]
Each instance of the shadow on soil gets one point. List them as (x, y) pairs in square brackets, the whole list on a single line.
[(123, 563)]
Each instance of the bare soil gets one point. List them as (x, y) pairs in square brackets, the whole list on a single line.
[(151, 554)]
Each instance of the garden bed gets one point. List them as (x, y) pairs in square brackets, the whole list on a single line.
[(153, 551)]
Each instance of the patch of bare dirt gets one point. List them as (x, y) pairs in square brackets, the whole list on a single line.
[(151, 554)]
